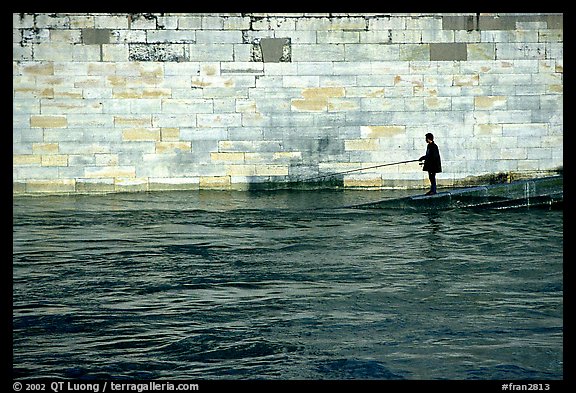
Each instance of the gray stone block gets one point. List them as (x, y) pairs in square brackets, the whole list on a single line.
[(95, 36), (448, 51)]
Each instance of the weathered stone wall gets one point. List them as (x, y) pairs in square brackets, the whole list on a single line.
[(131, 102)]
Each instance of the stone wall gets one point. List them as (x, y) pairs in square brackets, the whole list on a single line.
[(136, 102)]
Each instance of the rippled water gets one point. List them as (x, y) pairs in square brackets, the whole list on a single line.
[(283, 285)]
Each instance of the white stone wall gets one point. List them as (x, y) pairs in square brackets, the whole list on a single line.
[(132, 102)]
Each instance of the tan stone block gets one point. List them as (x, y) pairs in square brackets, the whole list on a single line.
[(466, 80), (356, 181), (141, 134), (34, 92), (342, 104), (126, 93), (212, 81), (381, 131), (258, 157), (361, 144), (209, 69), (408, 80), (227, 156), (438, 103), (246, 106), (88, 82), (157, 92), (171, 147), (319, 93), (215, 182), (45, 148), (487, 129), (116, 80), (557, 89), (306, 105), (51, 186), (55, 160), (69, 92), (44, 121), (151, 70), (489, 102), (170, 134), (26, 160), (110, 171), (102, 68), (38, 69)]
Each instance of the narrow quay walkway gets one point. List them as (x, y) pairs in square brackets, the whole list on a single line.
[(541, 192)]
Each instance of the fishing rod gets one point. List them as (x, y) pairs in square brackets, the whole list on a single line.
[(359, 169)]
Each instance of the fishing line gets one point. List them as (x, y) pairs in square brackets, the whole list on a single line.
[(356, 170)]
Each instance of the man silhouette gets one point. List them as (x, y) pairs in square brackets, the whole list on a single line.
[(432, 162)]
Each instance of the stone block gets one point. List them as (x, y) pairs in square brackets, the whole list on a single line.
[(271, 170), (359, 181), (193, 105), (130, 184), (361, 144), (141, 134), (481, 51), (40, 121), (26, 160), (460, 22), (55, 186), (448, 51), (215, 182), (219, 120), (94, 186), (237, 170), (309, 105), (343, 104), (45, 148), (112, 171), (111, 22), (211, 52), (55, 160), (37, 68), (171, 36), (171, 147), (372, 132), (227, 156), (218, 37), (414, 52), (158, 52), (497, 23), (173, 183), (95, 36), (189, 22), (371, 52), (319, 52)]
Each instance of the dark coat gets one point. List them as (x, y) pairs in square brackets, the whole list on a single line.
[(432, 161)]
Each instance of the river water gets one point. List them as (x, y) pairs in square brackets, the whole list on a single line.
[(283, 285)]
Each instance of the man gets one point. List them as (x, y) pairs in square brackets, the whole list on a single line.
[(432, 162)]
